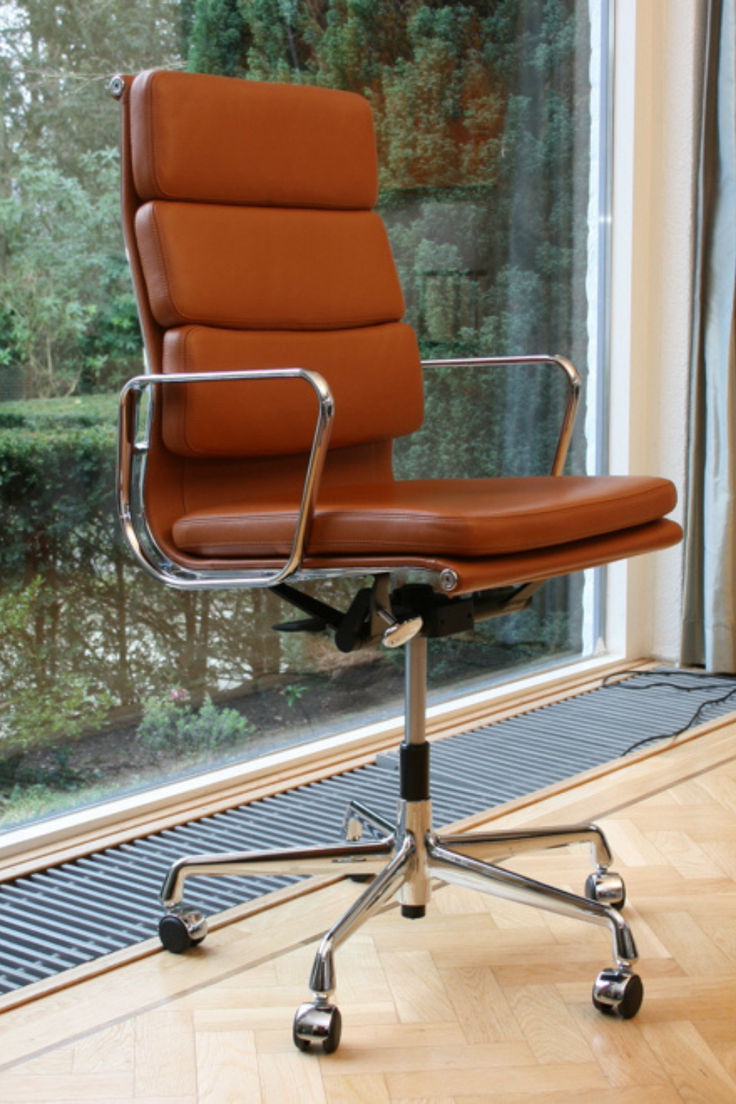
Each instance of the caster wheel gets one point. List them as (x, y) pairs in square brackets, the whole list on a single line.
[(178, 931), (317, 1024), (609, 889), (617, 992)]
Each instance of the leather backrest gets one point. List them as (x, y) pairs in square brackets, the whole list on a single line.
[(258, 248)]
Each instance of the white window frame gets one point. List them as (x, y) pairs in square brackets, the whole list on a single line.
[(656, 106)]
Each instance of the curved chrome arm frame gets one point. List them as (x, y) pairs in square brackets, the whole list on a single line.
[(574, 390), (158, 564), (161, 567)]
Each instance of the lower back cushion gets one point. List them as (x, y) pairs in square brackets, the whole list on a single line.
[(373, 372)]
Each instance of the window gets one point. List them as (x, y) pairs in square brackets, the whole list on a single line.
[(491, 126)]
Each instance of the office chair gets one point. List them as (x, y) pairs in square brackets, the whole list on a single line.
[(279, 374)]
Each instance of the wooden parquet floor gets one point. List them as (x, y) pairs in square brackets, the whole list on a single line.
[(481, 1001)]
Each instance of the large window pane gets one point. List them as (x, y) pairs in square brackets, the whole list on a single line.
[(486, 115)]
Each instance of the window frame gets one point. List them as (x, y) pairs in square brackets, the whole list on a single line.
[(656, 103)]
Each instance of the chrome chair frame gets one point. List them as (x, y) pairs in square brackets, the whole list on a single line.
[(184, 576), (132, 518)]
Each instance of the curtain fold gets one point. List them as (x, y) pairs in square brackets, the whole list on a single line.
[(709, 596)]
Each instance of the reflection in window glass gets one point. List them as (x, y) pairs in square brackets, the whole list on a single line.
[(486, 112)]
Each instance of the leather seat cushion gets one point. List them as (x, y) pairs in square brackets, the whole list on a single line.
[(464, 518)]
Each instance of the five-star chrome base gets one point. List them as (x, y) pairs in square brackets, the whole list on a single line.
[(403, 860)]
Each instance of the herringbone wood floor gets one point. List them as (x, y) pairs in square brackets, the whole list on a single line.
[(481, 1001)]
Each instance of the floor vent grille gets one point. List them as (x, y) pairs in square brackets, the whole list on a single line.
[(73, 913)]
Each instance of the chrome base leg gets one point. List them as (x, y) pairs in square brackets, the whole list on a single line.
[(463, 870), (381, 889), (318, 1022), (496, 846), (338, 859), (182, 927)]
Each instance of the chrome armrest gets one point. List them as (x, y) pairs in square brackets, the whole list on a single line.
[(141, 541), (574, 390)]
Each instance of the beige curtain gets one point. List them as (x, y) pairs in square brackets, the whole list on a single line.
[(709, 606)]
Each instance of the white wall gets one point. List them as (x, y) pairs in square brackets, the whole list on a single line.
[(657, 101)]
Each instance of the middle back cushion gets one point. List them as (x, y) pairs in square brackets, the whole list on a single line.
[(265, 268)]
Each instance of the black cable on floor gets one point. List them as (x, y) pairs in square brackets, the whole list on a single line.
[(664, 678)]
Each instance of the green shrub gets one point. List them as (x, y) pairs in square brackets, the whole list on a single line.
[(175, 725), (74, 410), (57, 462), (46, 698)]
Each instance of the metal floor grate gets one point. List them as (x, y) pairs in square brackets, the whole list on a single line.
[(81, 910)]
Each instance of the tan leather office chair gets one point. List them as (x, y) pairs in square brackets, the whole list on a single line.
[(280, 373)]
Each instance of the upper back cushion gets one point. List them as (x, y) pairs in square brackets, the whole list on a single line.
[(219, 140)]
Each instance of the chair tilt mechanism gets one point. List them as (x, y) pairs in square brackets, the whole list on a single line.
[(279, 373)]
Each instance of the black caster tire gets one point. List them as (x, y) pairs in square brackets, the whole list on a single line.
[(317, 1025), (180, 931), (334, 1034), (608, 889), (618, 993)]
